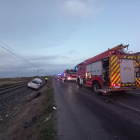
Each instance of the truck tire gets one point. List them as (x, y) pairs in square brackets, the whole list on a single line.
[(96, 86), (78, 82)]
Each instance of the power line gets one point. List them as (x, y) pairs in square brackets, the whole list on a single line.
[(15, 53), (11, 49), (9, 61), (18, 56)]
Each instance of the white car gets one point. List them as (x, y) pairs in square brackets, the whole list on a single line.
[(39, 80), (36, 83)]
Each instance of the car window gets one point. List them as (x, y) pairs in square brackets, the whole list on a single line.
[(76, 68), (38, 80), (81, 67), (35, 82)]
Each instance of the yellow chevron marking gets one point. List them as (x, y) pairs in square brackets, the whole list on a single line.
[(113, 60), (137, 80), (114, 75), (114, 66), (116, 78), (136, 64), (112, 57)]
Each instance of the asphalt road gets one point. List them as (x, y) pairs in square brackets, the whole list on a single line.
[(82, 115)]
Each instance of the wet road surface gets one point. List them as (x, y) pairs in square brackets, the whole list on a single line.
[(82, 115)]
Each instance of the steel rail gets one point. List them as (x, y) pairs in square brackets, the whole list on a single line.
[(12, 88)]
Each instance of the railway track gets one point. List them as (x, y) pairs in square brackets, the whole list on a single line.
[(11, 88), (11, 96)]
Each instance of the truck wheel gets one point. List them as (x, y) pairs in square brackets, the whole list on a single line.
[(78, 82), (95, 87)]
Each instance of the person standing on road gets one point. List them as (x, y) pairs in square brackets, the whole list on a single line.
[(46, 79)]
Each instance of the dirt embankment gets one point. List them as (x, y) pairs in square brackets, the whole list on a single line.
[(29, 123)]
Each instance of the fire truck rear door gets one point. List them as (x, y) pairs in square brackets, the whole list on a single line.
[(127, 71)]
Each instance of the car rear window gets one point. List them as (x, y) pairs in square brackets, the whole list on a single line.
[(35, 82)]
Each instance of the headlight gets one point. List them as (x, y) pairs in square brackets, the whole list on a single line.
[(68, 77)]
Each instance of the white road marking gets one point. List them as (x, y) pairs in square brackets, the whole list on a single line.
[(129, 106)]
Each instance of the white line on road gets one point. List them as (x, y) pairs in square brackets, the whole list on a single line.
[(128, 106)]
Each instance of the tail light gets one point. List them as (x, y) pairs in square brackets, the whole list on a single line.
[(116, 85)]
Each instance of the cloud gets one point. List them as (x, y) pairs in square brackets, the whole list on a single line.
[(47, 58), (42, 57), (43, 25), (64, 57), (41, 61), (81, 59), (79, 9), (27, 70), (71, 52)]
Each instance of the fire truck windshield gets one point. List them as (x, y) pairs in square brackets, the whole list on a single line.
[(71, 71)]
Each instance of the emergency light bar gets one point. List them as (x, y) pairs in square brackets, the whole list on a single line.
[(59, 74)]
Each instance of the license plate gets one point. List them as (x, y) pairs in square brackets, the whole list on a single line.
[(117, 87)]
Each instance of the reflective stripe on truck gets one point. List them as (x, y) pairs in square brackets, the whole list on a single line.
[(114, 71)]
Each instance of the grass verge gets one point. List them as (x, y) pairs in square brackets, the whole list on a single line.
[(44, 130), (47, 129)]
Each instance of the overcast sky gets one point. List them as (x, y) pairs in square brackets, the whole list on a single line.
[(56, 35)]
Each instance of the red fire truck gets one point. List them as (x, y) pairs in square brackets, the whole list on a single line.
[(113, 70), (69, 75)]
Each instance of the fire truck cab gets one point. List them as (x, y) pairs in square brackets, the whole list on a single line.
[(69, 75), (112, 70)]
